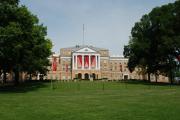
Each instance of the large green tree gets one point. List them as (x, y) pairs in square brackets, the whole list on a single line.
[(155, 41), (23, 43)]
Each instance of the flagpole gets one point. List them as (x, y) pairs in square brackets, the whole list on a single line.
[(83, 34)]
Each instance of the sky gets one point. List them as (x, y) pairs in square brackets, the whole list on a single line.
[(107, 23)]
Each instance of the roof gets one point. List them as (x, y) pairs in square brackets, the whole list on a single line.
[(78, 47), (118, 57)]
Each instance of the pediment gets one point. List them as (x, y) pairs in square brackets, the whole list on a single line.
[(85, 50)]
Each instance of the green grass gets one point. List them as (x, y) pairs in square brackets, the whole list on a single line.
[(90, 101)]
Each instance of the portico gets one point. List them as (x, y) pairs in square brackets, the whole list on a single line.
[(86, 61), (85, 64)]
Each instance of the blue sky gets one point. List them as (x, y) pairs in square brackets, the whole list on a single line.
[(108, 23)]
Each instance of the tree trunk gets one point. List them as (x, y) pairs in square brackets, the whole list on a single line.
[(30, 76), (16, 80), (149, 77), (171, 77), (4, 77), (171, 72), (156, 77)]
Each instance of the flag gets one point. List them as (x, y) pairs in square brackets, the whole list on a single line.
[(54, 64), (93, 61), (86, 64), (79, 61)]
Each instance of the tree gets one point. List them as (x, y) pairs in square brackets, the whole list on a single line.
[(141, 47), (155, 43), (7, 30), (23, 43), (126, 51), (167, 32), (11, 2)]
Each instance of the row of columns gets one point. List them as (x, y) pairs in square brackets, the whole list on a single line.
[(75, 59)]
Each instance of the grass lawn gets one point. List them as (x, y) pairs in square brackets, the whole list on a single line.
[(90, 101)]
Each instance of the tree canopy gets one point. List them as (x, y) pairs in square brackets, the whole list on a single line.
[(155, 40), (23, 43)]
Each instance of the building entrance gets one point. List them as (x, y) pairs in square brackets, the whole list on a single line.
[(79, 76), (86, 76), (126, 77), (94, 76)]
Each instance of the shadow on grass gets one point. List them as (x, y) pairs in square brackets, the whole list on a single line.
[(23, 87), (145, 82)]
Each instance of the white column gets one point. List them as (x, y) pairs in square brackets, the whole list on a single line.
[(89, 62), (99, 62), (82, 62), (76, 63), (73, 62)]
